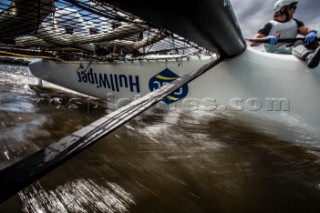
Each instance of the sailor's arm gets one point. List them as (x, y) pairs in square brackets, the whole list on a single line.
[(310, 35), (258, 35), (263, 32), (304, 30)]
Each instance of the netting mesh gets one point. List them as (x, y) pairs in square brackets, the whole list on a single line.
[(71, 29)]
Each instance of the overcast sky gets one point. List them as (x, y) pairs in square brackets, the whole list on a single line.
[(252, 14)]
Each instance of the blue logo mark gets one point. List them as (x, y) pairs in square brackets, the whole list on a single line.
[(165, 77)]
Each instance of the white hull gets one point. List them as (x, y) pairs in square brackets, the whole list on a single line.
[(254, 82)]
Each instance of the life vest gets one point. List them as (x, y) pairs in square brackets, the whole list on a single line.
[(287, 29)]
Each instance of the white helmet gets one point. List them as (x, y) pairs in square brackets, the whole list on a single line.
[(281, 3)]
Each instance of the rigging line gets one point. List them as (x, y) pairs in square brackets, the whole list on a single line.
[(167, 50), (150, 46), (173, 44), (94, 10), (24, 172), (84, 69), (36, 56), (31, 56), (38, 17), (103, 14), (192, 44)]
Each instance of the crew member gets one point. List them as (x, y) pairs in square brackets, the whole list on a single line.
[(284, 25)]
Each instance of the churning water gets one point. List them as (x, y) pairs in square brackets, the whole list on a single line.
[(161, 161)]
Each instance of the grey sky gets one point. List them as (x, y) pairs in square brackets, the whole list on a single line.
[(252, 14)]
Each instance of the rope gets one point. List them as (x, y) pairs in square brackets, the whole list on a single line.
[(33, 56)]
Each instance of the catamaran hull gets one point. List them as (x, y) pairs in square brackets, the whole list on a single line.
[(254, 83)]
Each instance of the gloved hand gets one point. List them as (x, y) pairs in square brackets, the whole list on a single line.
[(272, 39), (310, 37)]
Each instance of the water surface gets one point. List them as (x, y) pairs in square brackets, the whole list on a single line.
[(161, 161)]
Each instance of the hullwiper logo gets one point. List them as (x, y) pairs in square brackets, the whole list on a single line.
[(163, 78)]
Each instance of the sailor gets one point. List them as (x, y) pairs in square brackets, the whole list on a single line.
[(284, 25)]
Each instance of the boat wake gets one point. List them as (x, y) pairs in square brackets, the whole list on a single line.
[(285, 127), (76, 196), (204, 128)]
